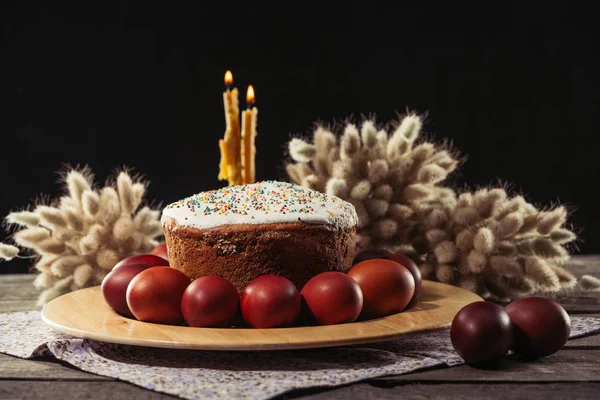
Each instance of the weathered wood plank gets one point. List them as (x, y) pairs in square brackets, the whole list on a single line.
[(565, 365), (17, 305), (366, 391), (16, 278), (16, 390), (18, 287), (42, 369), (590, 342), (585, 264)]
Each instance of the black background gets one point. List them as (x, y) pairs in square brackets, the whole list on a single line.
[(515, 87)]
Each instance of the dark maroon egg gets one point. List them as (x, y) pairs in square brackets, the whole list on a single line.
[(154, 295), (270, 301), (481, 331), (369, 253), (412, 267), (114, 286), (387, 287), (541, 326), (210, 301), (148, 259), (331, 298)]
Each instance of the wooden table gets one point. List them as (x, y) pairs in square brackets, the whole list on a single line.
[(573, 372)]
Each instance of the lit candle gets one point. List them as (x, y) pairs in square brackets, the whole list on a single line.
[(230, 167), (248, 134)]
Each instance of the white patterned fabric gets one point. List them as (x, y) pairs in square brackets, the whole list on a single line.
[(236, 375)]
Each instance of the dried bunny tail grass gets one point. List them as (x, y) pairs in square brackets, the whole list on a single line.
[(361, 190), (44, 280), (562, 236), (82, 275), (107, 258), (44, 262), (91, 242), (368, 134), (51, 217), (377, 170), (90, 203), (127, 196), (139, 190), (550, 221), (123, 228), (77, 238), (144, 216), (153, 229), (350, 143), (110, 207), (58, 289), (506, 266), (301, 151), (8, 252), (409, 128), (589, 282), (51, 246), (336, 187), (445, 273), (23, 218), (324, 141), (566, 279), (78, 181), (74, 218), (445, 252), (31, 237), (486, 240), (542, 274), (483, 241), (64, 266)]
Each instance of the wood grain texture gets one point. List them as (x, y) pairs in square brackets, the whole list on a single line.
[(17, 390), (561, 366), (366, 391), (42, 369), (85, 314)]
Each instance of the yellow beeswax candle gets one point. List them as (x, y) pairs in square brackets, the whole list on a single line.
[(230, 167), (249, 117)]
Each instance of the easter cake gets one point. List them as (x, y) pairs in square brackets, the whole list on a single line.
[(241, 232)]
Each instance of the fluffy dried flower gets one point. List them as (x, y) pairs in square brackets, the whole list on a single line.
[(78, 242), (486, 240)]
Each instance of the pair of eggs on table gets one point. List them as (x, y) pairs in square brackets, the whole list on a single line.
[(531, 326), (138, 287)]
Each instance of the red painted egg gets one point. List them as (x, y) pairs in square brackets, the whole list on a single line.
[(148, 259), (481, 331), (114, 286), (541, 326), (210, 301), (270, 301), (412, 267), (331, 298), (161, 251), (154, 295), (387, 287)]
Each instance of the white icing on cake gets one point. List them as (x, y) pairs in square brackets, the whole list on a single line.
[(261, 203)]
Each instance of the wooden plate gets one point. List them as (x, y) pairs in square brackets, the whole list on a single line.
[(85, 314)]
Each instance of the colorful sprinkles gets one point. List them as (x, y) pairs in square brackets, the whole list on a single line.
[(266, 198)]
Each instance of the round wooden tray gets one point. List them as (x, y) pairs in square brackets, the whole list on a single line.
[(85, 314)]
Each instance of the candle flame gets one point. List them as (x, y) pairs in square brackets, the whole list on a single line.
[(228, 78), (250, 96)]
